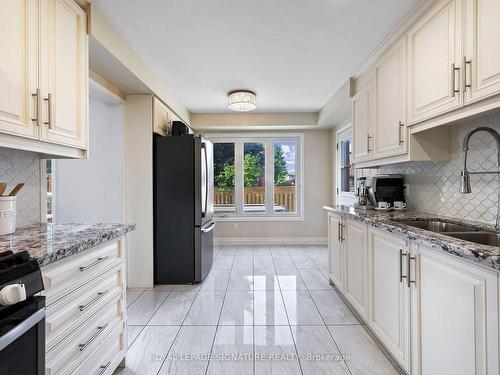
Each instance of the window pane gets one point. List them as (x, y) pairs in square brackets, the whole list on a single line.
[(254, 183), (346, 171), (224, 178), (285, 196)]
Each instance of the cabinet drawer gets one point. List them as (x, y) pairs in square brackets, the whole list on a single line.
[(74, 348), (107, 356), (60, 278), (68, 313)]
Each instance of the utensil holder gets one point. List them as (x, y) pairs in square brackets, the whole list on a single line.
[(7, 215)]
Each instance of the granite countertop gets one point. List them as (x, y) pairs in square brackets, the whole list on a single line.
[(488, 256), (51, 242)]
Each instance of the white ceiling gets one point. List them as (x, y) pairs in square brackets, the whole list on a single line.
[(294, 54)]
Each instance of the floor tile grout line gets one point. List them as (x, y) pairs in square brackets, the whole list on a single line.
[(132, 343), (135, 299), (220, 314), (290, 327)]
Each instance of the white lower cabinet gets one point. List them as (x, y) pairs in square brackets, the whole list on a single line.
[(353, 235), (456, 317), (336, 256), (435, 313), (86, 311), (389, 293)]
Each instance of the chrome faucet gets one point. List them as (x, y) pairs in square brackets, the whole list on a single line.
[(465, 174)]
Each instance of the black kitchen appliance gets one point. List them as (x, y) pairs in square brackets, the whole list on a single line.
[(183, 208), (22, 315), (386, 188)]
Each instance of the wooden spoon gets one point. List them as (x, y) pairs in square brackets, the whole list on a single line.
[(3, 186), (16, 190)]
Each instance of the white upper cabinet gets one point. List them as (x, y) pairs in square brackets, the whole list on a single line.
[(390, 130), (336, 257), (18, 67), (457, 317), (482, 57), (64, 67), (434, 62), (362, 114), (389, 293), (356, 265)]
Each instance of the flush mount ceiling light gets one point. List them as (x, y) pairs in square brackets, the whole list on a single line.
[(242, 100)]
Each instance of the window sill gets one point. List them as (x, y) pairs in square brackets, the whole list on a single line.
[(258, 218)]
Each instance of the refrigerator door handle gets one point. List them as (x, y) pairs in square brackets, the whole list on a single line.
[(204, 147), (209, 228)]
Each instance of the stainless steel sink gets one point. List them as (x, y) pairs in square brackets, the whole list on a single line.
[(483, 238), (438, 226)]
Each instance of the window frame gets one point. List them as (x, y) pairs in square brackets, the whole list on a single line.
[(343, 134), (268, 139)]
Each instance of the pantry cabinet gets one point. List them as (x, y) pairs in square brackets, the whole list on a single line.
[(390, 130), (457, 316), (44, 75), (336, 256), (18, 67), (64, 72), (353, 236), (362, 114), (434, 62), (481, 63), (389, 293)]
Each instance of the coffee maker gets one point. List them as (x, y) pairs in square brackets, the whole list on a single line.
[(386, 188), (362, 194)]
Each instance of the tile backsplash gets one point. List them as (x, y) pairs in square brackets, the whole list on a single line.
[(433, 186), (23, 166)]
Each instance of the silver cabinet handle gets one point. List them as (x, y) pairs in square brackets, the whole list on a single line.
[(104, 368), (453, 78), (94, 336), (401, 255), (410, 281), (36, 95), (92, 301), (465, 63), (48, 100), (342, 232), (338, 232), (209, 229), (93, 264), (368, 137), (401, 128)]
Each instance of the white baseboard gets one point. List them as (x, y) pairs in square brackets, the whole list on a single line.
[(232, 241)]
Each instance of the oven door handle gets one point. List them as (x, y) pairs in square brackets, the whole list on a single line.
[(21, 328)]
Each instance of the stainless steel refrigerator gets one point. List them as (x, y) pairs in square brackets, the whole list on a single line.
[(183, 208)]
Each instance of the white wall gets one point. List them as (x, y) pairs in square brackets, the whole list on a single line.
[(93, 190), (317, 192)]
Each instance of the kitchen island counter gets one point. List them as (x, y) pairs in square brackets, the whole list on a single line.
[(52, 242)]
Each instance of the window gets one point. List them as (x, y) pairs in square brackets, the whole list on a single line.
[(345, 171), (257, 176)]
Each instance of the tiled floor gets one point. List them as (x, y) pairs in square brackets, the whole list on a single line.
[(261, 310)]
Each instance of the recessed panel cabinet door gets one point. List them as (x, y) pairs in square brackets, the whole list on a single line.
[(482, 74), (458, 317), (389, 293), (361, 123), (434, 62), (356, 265), (390, 136), (18, 67), (336, 256), (64, 72)]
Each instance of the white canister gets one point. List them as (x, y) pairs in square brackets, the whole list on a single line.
[(7, 215)]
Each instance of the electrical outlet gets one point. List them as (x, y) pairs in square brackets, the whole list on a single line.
[(235, 227)]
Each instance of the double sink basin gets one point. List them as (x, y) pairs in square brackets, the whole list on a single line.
[(463, 232)]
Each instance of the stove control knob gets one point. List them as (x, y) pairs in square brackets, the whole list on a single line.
[(12, 294)]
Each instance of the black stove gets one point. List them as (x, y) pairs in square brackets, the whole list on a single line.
[(22, 315)]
